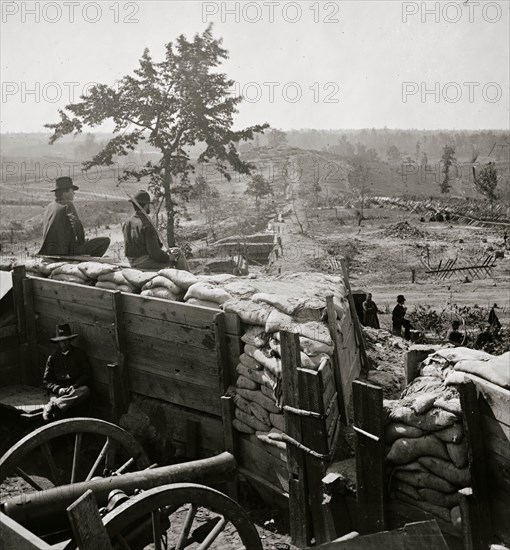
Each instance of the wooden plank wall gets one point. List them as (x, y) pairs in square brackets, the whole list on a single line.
[(169, 348), (10, 372), (493, 401), (350, 363)]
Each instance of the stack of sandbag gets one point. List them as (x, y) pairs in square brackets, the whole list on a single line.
[(37, 267), (70, 273), (169, 284), (115, 280), (426, 449), (93, 270)]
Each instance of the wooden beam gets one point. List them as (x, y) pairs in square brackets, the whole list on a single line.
[(370, 457), (300, 528), (337, 367), (220, 338), (478, 530), (87, 525), (34, 374), (16, 537), (123, 385)]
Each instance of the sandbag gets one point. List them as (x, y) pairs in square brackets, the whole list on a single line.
[(69, 269), (447, 500), (217, 278), (93, 270), (277, 321), (435, 419), (255, 336), (240, 289), (405, 450), (456, 519), (259, 412), (272, 364), (446, 470), (421, 385), (495, 370), (314, 330), (277, 420), (266, 438), (108, 285), (242, 403), (71, 279), (396, 431), (242, 427), (249, 362), (424, 479), (257, 376), (250, 420), (458, 453), (243, 382), (183, 279), (420, 403), (138, 278), (454, 355), (452, 434), (206, 291), (312, 363), (439, 511), (268, 392), (450, 405), (249, 312), (258, 397), (284, 304), (37, 266), (113, 277), (409, 490), (160, 281), (160, 292), (202, 303), (311, 347), (48, 268), (412, 467)]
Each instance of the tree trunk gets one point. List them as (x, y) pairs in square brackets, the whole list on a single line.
[(167, 181)]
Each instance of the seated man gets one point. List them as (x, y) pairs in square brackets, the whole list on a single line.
[(455, 336), (66, 375), (142, 245), (399, 320), (63, 233)]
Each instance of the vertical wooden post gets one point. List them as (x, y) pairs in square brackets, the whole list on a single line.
[(355, 320), (300, 528), (315, 437), (33, 374), (114, 391), (477, 530), (369, 427), (337, 367), (220, 338), (87, 525), (123, 386), (18, 276)]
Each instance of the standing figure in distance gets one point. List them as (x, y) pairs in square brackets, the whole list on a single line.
[(142, 245), (370, 312), (63, 233), (66, 375), (399, 320), (455, 336)]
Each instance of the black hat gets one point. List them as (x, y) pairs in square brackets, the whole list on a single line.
[(63, 333), (400, 298), (63, 183), (141, 197)]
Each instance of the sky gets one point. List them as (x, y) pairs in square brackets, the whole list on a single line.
[(323, 65)]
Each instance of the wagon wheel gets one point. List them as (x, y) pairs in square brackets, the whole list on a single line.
[(178, 516), (42, 458)]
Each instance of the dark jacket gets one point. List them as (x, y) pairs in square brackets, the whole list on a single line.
[(398, 314), (141, 239), (63, 232), (66, 370)]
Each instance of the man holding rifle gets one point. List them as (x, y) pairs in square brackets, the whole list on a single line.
[(142, 245)]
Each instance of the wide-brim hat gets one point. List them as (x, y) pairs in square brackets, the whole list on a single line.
[(141, 197), (63, 332), (65, 182)]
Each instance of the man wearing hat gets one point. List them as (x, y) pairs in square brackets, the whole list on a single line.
[(66, 375), (142, 245), (63, 233), (398, 318)]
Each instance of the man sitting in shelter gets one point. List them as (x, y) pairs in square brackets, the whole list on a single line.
[(399, 320), (455, 336), (66, 375), (142, 245), (63, 233)]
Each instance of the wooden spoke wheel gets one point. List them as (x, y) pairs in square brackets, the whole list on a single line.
[(179, 516), (69, 451)]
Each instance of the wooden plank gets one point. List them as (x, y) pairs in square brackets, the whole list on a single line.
[(232, 324), (477, 530), (121, 378), (494, 402), (223, 367), (34, 374), (337, 365), (314, 434), (498, 471), (268, 491), (7, 332), (370, 457), (254, 458), (300, 528), (72, 292), (497, 438), (175, 312), (71, 312), (16, 537), (89, 532), (230, 435), (18, 274), (171, 332), (178, 392)]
